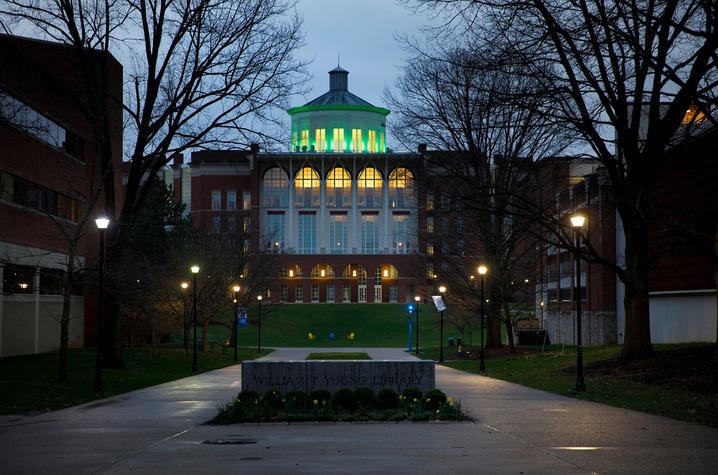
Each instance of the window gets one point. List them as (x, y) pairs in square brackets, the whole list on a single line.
[(307, 234), (306, 188), (338, 234), (315, 293), (275, 231), (369, 234), (371, 142), (322, 271), (377, 292), (330, 292), (216, 224), (429, 224), (429, 249), (346, 293), (320, 139), (429, 201), (231, 200), (283, 293), (231, 224), (187, 189), (400, 233), (245, 246), (460, 224), (299, 293), (339, 188), (445, 269), (305, 140), (445, 251), (444, 224), (275, 188), (356, 141), (445, 202), (216, 199), (393, 293), (382, 148), (294, 142), (401, 188), (18, 279), (246, 200), (460, 247), (245, 224), (430, 271), (338, 143), (369, 188)]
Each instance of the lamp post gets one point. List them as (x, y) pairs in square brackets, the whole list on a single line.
[(259, 323), (442, 290), (577, 224), (417, 299), (235, 289), (195, 270), (185, 323), (482, 272), (102, 222)]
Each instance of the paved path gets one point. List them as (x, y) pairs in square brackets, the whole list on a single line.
[(517, 430)]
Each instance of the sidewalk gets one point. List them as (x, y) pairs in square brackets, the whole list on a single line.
[(160, 430)]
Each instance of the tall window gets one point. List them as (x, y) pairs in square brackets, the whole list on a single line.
[(231, 200), (369, 188), (330, 292), (401, 188), (459, 224), (246, 200), (275, 231), (460, 247), (231, 224), (399, 233), (346, 293), (429, 224), (216, 199), (315, 293), (429, 249), (305, 140), (275, 188), (444, 224), (393, 293), (339, 140), (429, 201), (320, 139), (294, 142), (307, 233), (369, 234), (299, 293), (187, 189), (371, 142), (245, 224), (339, 188), (216, 224), (338, 234), (283, 293), (356, 141), (382, 147), (306, 188), (445, 201)]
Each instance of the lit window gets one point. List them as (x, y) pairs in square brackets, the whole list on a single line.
[(369, 188), (305, 140), (356, 141), (307, 234), (429, 249), (306, 188), (338, 234), (245, 224), (322, 271), (315, 293), (339, 188), (275, 188), (247, 200), (274, 231), (400, 233), (401, 188), (693, 116), (294, 142), (429, 224), (382, 147), (320, 139), (338, 140), (346, 293), (429, 201), (371, 142)]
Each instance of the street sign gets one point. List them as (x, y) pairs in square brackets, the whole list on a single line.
[(438, 303), (241, 317)]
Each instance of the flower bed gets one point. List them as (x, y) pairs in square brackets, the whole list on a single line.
[(345, 404)]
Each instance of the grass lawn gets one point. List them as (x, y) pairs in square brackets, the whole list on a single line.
[(339, 356), (554, 371), (29, 382)]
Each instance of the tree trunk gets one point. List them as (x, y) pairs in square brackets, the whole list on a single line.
[(493, 334), (715, 279), (205, 327), (510, 330), (637, 343), (65, 321)]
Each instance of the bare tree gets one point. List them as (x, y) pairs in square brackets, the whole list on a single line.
[(201, 73)]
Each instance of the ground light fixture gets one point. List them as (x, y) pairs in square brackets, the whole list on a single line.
[(417, 299), (195, 271), (259, 323), (577, 222), (102, 223), (442, 291), (483, 270), (235, 289)]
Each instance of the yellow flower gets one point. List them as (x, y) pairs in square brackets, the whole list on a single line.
[(451, 399), (316, 401), (451, 403), (428, 399), (414, 399)]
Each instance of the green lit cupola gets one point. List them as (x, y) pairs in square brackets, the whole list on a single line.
[(338, 121)]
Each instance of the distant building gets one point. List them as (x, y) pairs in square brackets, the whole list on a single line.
[(45, 171)]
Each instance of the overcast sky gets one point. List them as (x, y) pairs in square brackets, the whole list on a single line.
[(362, 32)]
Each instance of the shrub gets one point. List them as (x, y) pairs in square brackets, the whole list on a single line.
[(321, 396), (387, 399), (344, 399), (272, 400), (248, 397), (435, 398), (297, 400), (365, 397), (412, 395)]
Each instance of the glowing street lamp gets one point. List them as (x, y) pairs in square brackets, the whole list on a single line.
[(442, 290), (417, 299), (235, 289), (482, 272), (259, 323), (102, 222), (195, 271), (577, 222)]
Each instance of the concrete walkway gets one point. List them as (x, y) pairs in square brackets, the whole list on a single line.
[(517, 430)]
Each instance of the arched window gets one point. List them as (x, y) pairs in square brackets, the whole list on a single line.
[(339, 188), (386, 271), (322, 271), (401, 188), (275, 188), (290, 272), (354, 272), (369, 188), (306, 188)]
